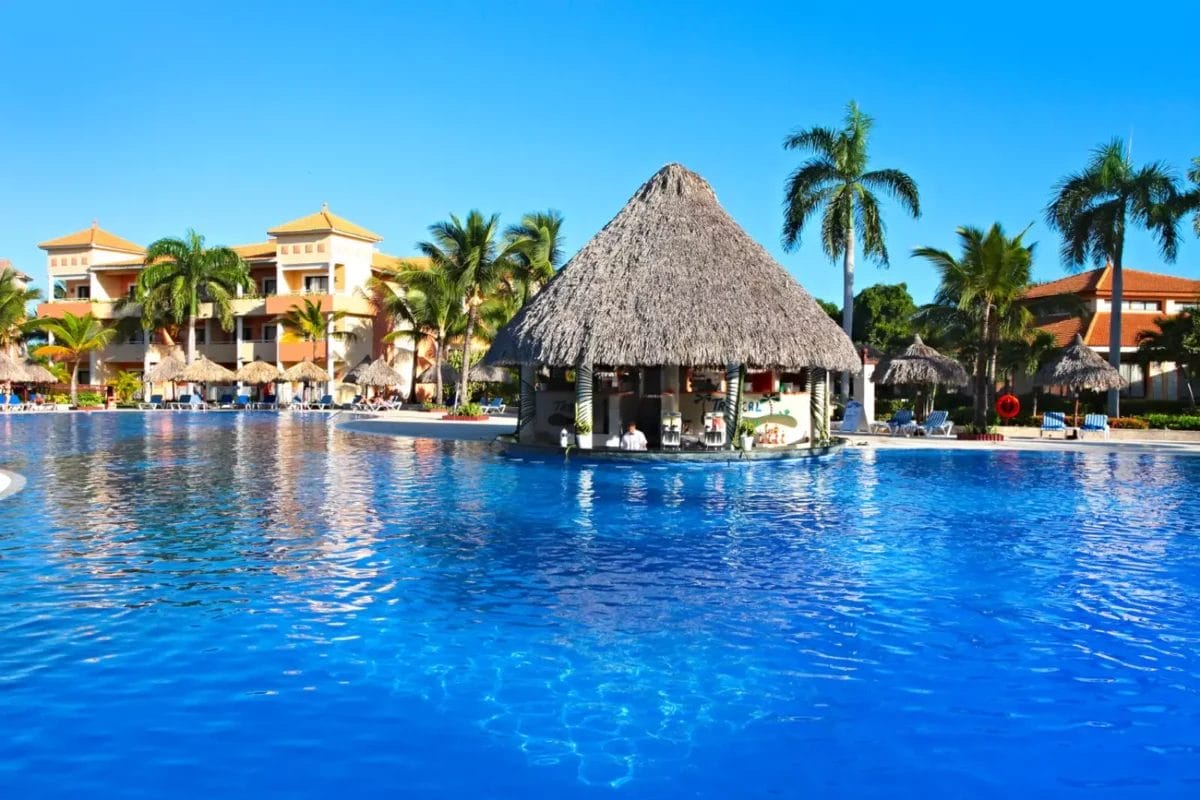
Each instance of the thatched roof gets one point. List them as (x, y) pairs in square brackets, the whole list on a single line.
[(1079, 367), (352, 375), (379, 374), (203, 370), (921, 365), (672, 279), (485, 373), (449, 374), (258, 372), (305, 371), (12, 370), (165, 371), (36, 373)]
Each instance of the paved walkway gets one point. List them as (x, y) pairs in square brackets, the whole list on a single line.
[(1020, 441), (421, 425)]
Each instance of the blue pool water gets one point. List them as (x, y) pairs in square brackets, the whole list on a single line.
[(238, 606)]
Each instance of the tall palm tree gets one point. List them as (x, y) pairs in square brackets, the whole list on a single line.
[(471, 257), (1025, 355), (1093, 209), (434, 300), (837, 179), (537, 252), (309, 323), (15, 298), (1192, 198), (984, 283), (1176, 340), (180, 274), (74, 338)]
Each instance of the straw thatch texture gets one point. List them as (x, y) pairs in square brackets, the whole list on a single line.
[(449, 374), (305, 371), (352, 375), (258, 372), (672, 279), (485, 373), (165, 371), (11, 370), (1079, 367), (921, 365), (202, 370), (36, 373), (378, 373)]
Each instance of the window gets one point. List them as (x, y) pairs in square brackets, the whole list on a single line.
[(132, 291), (200, 338), (1139, 305), (83, 261), (85, 377), (54, 262), (308, 248), (320, 247), (74, 261), (137, 337), (268, 286), (1133, 374), (316, 283), (268, 333), (83, 292)]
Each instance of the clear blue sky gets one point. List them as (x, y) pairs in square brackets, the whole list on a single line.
[(155, 116)]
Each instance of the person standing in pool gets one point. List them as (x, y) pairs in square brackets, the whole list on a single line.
[(633, 439)]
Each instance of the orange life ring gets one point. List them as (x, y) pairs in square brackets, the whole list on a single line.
[(1008, 406)]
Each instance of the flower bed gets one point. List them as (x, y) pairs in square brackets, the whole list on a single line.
[(981, 437), (466, 417)]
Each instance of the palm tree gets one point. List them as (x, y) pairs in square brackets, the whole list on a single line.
[(74, 338), (1177, 339), (181, 274), (15, 298), (1092, 210), (468, 253), (1025, 355), (837, 178), (434, 301), (311, 324), (537, 252), (1192, 198), (985, 284)]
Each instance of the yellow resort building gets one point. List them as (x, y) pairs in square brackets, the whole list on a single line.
[(320, 257)]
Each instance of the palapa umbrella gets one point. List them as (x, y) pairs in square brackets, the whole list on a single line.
[(1078, 367), (921, 365), (449, 374), (165, 371), (258, 372), (11, 370), (304, 372), (352, 375), (36, 373), (378, 373), (485, 373), (203, 371)]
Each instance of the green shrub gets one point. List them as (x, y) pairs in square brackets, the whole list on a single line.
[(470, 410), (60, 399), (885, 407), (90, 399), (1175, 422)]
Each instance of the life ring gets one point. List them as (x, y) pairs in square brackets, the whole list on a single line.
[(1008, 406)]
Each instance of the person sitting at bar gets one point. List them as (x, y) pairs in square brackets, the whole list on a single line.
[(633, 439)]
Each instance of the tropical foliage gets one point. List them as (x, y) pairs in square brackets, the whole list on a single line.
[(74, 339), (883, 317), (536, 246), (838, 183), (180, 274), (309, 323), (1093, 211), (1176, 340), (978, 297), (125, 385), (15, 298), (432, 307)]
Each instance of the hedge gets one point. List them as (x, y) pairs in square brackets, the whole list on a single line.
[(1175, 422)]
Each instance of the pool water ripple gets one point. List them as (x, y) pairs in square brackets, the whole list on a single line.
[(250, 605)]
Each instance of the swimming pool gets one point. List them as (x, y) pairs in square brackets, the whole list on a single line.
[(247, 605)]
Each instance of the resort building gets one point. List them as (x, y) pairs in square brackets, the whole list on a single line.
[(1146, 297), (320, 257)]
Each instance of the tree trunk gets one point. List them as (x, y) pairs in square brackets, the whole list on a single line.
[(1114, 329), (191, 338), (981, 363), (848, 297), (464, 379), (75, 382), (437, 367), (412, 385)]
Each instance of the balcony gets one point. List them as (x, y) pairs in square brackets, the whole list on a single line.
[(298, 351), (280, 304), (57, 309)]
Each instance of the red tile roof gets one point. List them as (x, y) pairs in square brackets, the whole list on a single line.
[(1064, 330), (1137, 283), (1131, 326)]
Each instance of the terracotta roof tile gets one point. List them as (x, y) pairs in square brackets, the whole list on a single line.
[(325, 221), (1063, 330), (1137, 283), (1131, 326), (94, 236), (255, 250)]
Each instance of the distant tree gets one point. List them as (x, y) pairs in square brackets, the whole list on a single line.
[(983, 286), (14, 301), (1024, 354), (309, 323), (537, 253), (125, 385), (884, 316), (1191, 201), (1093, 209), (1176, 340), (837, 179), (74, 338), (832, 309)]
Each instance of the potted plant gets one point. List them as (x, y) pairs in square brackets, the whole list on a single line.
[(583, 434), (745, 431)]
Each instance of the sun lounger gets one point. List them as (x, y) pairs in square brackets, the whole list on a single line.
[(14, 403), (226, 401), (180, 403), (900, 422), (1095, 423), (324, 404), (155, 402), (494, 406), (197, 403), (242, 403), (936, 424), (1053, 422)]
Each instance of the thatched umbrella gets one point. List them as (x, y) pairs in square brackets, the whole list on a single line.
[(922, 366), (485, 373), (1078, 367), (258, 372), (36, 373), (11, 370), (449, 374), (165, 371), (352, 375), (673, 279), (305, 372), (202, 370), (379, 374)]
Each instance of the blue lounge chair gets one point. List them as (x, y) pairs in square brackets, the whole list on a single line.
[(936, 424), (494, 406), (324, 404), (1095, 423), (242, 403), (155, 402), (1054, 422), (901, 422), (14, 403), (852, 418), (197, 403), (226, 401), (180, 403)]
